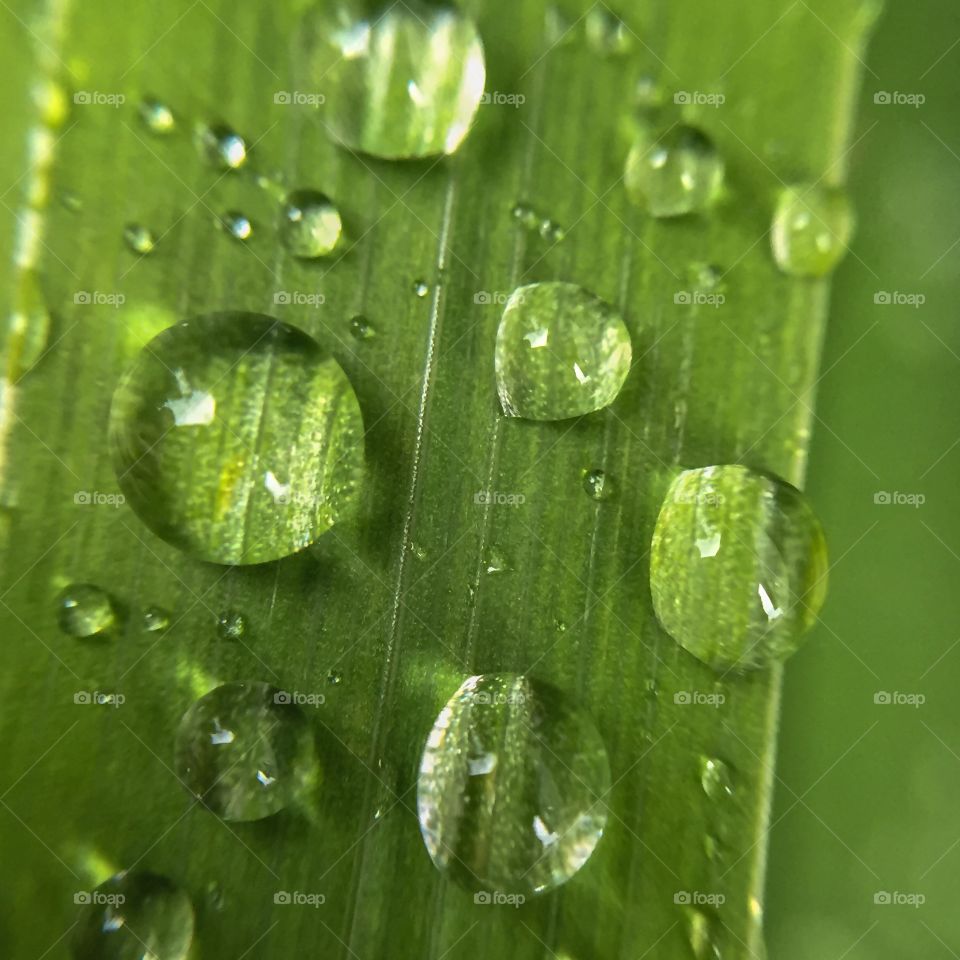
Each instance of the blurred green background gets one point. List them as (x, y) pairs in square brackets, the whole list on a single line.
[(865, 796)]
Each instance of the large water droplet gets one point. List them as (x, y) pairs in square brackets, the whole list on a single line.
[(715, 778), (738, 566), (511, 787), (310, 224), (246, 752), (812, 226), (677, 173), (131, 917), (237, 438), (85, 610), (597, 485), (361, 328), (405, 83), (561, 352)]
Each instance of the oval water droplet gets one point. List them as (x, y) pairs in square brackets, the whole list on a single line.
[(310, 224), (702, 934), (812, 227), (85, 610), (29, 326), (561, 352), (597, 485), (131, 916), (246, 752), (237, 438), (511, 788), (156, 116), (334, 677), (606, 33), (677, 173), (155, 619), (361, 328), (236, 224), (738, 566), (405, 83), (420, 288), (139, 239), (231, 625), (496, 561), (221, 146), (715, 778)]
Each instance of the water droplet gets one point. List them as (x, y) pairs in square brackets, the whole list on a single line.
[(231, 625), (85, 610), (155, 620), (706, 277), (530, 219), (812, 226), (156, 116), (420, 288), (606, 33), (496, 562), (361, 328), (334, 677), (52, 102), (418, 551), (715, 778), (511, 786), (71, 201), (648, 93), (550, 230), (558, 27), (236, 224), (406, 83), (29, 326), (679, 172), (221, 146), (131, 916), (310, 224), (525, 216), (711, 846), (246, 752), (701, 934), (738, 566), (237, 438), (139, 239), (597, 485), (561, 352)]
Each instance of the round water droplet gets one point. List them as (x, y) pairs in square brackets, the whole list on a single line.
[(334, 677), (247, 752), (237, 438), (155, 620), (561, 352), (511, 788), (133, 916), (597, 485), (221, 146), (231, 625), (138, 238), (361, 328), (85, 610), (812, 226), (405, 83), (310, 224), (551, 230), (236, 224), (420, 288), (715, 778), (738, 566), (677, 173), (157, 117)]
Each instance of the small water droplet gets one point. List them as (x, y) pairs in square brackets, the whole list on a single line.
[(71, 201), (407, 83), (648, 93), (310, 224), (496, 562), (237, 438), (530, 219), (550, 230), (701, 934), (418, 551), (606, 33), (511, 786), (561, 352), (134, 915), (597, 485), (560, 626), (236, 224), (231, 625), (715, 778), (738, 566), (558, 27), (705, 277), (525, 215), (221, 146), (139, 239), (361, 328), (711, 846), (420, 288), (677, 173), (334, 677), (812, 226), (156, 116), (85, 610), (155, 620), (246, 752)]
